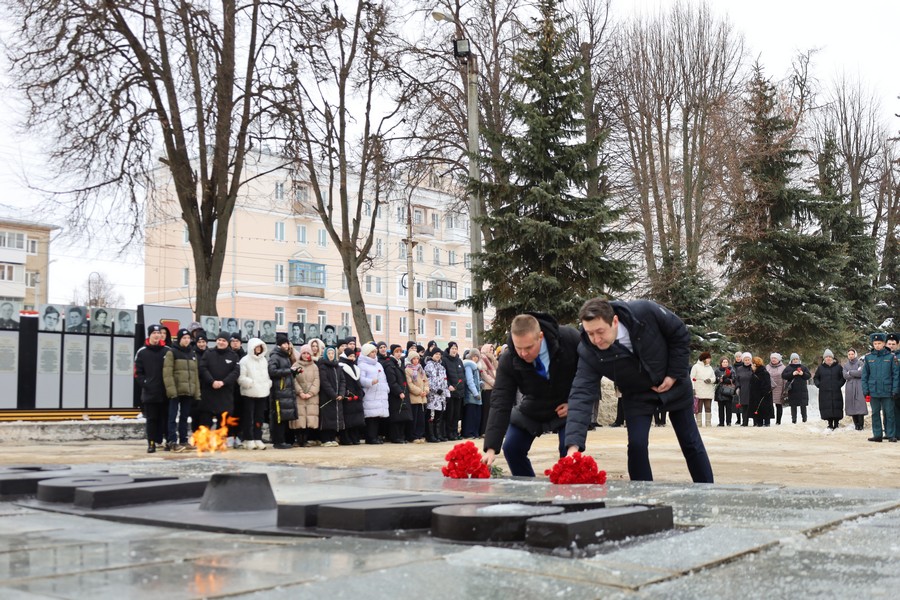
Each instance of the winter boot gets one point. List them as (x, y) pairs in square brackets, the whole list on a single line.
[(429, 432), (151, 447)]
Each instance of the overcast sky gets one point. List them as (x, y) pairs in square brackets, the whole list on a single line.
[(856, 38)]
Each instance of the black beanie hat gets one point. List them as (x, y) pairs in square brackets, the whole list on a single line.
[(394, 347), (183, 332), (223, 335), (349, 352), (152, 328), (234, 336), (281, 338), (201, 335)]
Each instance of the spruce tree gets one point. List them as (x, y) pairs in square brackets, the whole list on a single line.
[(781, 273), (550, 246)]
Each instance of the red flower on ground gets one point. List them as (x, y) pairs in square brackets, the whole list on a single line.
[(578, 468), (464, 462)]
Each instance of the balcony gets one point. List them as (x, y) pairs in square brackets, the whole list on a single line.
[(441, 295), (306, 290), (306, 279), (303, 208), (422, 229)]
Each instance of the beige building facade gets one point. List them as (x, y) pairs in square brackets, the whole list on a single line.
[(24, 262), (281, 263)]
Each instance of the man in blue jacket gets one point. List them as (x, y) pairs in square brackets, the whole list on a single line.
[(881, 386), (645, 350)]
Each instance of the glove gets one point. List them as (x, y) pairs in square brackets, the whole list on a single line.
[(868, 398)]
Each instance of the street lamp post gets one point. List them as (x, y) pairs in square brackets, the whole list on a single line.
[(463, 51), (90, 298)]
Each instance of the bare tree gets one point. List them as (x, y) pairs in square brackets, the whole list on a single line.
[(676, 78), (98, 290), (123, 88)]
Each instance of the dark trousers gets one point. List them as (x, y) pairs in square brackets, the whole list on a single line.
[(252, 417), (485, 409), (471, 420), (205, 418), (689, 439), (327, 435), (156, 414), (725, 413), (516, 446), (660, 417), (745, 415), (779, 412), (620, 413), (372, 429), (417, 425), (179, 411), (794, 414), (451, 418)]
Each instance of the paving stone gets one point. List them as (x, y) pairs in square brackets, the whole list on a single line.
[(596, 526), (145, 492), (306, 514), (401, 512), (236, 492), (486, 523), (62, 489)]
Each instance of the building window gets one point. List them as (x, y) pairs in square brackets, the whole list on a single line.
[(403, 323), (453, 329), (301, 234), (279, 190), (450, 220), (345, 319), (367, 209), (402, 247), (378, 285), (279, 316), (32, 246), (401, 291), (323, 319), (469, 330), (443, 289), (437, 256), (420, 253), (378, 325), (379, 247), (279, 273), (11, 239), (451, 257), (369, 284), (306, 273), (301, 192), (31, 278), (467, 292), (185, 277), (301, 315), (421, 327), (401, 214), (436, 222), (438, 328), (279, 231), (323, 238), (186, 236), (344, 283), (420, 290), (418, 216), (467, 260)]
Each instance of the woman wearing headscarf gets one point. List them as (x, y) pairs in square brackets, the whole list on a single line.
[(488, 368), (796, 375), (775, 368), (332, 389), (725, 391), (829, 379), (437, 397), (354, 415), (316, 348), (703, 378), (760, 394), (398, 398), (854, 400)]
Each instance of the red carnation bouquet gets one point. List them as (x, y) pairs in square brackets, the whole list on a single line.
[(464, 462), (578, 468)]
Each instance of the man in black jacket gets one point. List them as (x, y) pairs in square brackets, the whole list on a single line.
[(540, 364), (283, 405), (456, 383), (219, 371), (148, 370), (645, 350)]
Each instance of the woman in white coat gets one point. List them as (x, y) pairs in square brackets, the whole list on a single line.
[(375, 392), (703, 378), (255, 385)]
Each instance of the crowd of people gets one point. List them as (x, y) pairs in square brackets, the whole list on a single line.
[(546, 379), (312, 394)]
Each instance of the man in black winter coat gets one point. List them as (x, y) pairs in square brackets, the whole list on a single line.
[(148, 371), (283, 405), (456, 383), (541, 365), (645, 350), (219, 371)]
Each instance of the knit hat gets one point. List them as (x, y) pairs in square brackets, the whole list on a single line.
[(746, 355), (435, 350), (281, 338), (380, 344), (201, 335), (471, 352), (776, 356), (411, 344), (305, 348), (194, 326), (411, 355), (394, 347), (368, 349), (451, 345), (349, 352), (878, 337), (223, 335), (234, 336), (794, 356), (827, 353), (182, 333), (154, 327)]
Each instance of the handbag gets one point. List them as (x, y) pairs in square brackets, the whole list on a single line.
[(696, 405)]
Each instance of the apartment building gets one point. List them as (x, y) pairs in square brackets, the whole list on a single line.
[(281, 263), (24, 262)]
